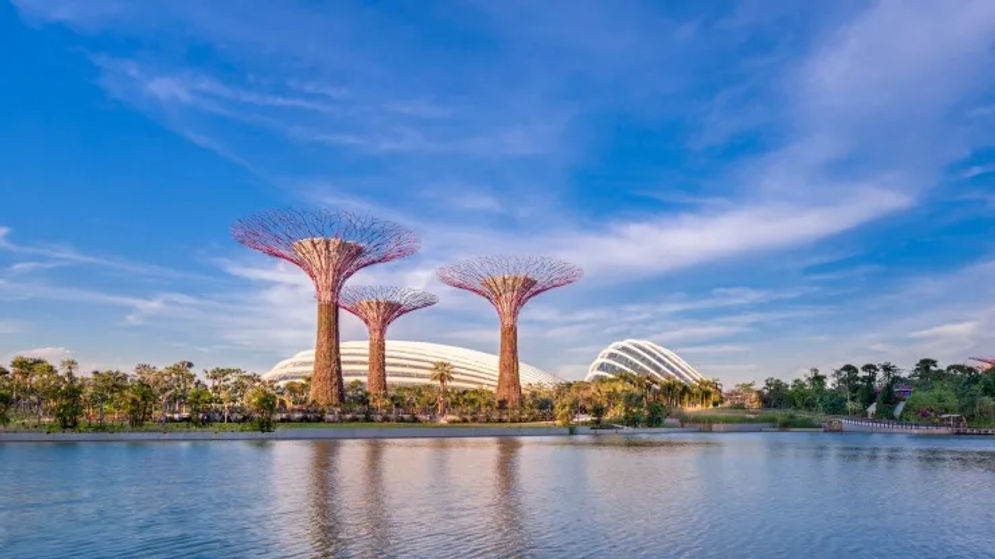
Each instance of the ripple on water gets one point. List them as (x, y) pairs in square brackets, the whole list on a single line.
[(679, 495)]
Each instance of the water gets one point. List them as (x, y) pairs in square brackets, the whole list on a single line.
[(681, 495)]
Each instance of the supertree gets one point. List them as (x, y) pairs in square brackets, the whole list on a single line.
[(989, 362), (330, 246), (377, 306), (508, 282)]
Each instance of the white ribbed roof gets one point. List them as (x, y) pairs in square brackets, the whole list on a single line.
[(410, 363), (642, 357)]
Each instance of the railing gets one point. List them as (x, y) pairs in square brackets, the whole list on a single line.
[(851, 424)]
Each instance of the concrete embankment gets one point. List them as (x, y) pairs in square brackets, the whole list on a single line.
[(292, 434), (736, 427), (344, 433)]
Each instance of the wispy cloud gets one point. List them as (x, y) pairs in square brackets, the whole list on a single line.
[(59, 256)]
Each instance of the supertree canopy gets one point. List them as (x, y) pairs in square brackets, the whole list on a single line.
[(331, 246), (508, 282), (989, 362), (378, 306)]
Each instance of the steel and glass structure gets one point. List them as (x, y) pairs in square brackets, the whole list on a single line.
[(410, 363), (642, 357), (330, 246), (509, 282)]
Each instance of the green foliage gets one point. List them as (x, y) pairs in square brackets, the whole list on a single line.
[(137, 401), (198, 401), (886, 400), (655, 414), (929, 404), (262, 403), (6, 401), (598, 412), (68, 404), (566, 408)]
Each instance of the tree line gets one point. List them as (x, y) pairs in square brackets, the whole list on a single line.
[(851, 390), (34, 392)]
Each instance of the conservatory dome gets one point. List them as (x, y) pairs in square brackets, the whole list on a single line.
[(642, 357), (410, 363)]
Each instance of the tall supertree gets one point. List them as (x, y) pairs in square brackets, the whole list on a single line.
[(330, 246), (378, 306), (508, 282)]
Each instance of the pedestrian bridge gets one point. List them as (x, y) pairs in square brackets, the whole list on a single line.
[(849, 424)]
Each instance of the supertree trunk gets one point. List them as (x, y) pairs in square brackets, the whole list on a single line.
[(327, 386), (376, 377), (509, 387)]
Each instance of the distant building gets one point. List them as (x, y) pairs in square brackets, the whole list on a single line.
[(642, 357), (410, 363)]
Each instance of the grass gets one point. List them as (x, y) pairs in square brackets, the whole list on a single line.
[(782, 418)]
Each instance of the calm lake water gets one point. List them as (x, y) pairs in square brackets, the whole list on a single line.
[(681, 495)]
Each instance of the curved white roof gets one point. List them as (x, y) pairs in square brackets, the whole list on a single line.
[(642, 357), (410, 363)]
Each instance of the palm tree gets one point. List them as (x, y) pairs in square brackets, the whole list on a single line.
[(442, 373)]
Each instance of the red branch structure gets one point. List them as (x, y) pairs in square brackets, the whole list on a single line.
[(378, 306), (508, 282), (989, 361), (330, 246)]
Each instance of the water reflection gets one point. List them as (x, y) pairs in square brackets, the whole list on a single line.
[(507, 504), (324, 504), (682, 495), (376, 517)]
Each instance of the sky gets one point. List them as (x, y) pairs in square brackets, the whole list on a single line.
[(763, 187)]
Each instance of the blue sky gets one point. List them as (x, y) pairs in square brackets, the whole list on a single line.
[(762, 186)]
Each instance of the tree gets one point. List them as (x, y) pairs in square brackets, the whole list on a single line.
[(199, 400), (442, 373), (103, 389), (926, 373), (566, 409), (597, 412), (262, 403), (775, 394), (6, 401), (137, 402), (68, 401), (655, 414)]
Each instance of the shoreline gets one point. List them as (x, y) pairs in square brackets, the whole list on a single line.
[(334, 433), (410, 432)]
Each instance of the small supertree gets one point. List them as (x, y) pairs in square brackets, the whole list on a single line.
[(508, 282), (378, 306), (989, 362), (330, 246)]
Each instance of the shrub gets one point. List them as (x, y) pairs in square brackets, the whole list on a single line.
[(655, 414), (262, 403)]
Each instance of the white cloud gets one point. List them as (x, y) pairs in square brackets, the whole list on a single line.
[(653, 247), (53, 355), (955, 330)]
